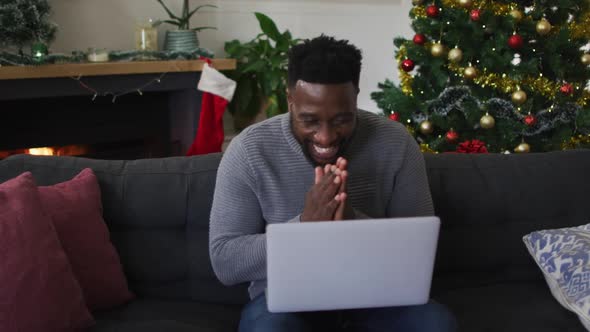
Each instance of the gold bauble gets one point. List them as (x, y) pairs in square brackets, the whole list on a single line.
[(585, 59), (437, 49), (470, 72), (456, 55), (465, 3), (516, 15), (487, 121), (417, 2), (426, 127), (522, 148), (519, 97), (543, 27)]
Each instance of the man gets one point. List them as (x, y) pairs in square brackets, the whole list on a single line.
[(323, 160)]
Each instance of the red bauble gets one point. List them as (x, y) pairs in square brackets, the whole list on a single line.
[(419, 39), (408, 65), (475, 15), (432, 11), (451, 136), (530, 120), (515, 42), (567, 89), (394, 116)]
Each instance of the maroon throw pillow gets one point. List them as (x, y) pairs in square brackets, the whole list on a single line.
[(38, 290), (76, 210)]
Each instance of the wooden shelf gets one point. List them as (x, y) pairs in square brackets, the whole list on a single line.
[(110, 68)]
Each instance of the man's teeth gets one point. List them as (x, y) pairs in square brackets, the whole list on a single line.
[(324, 150)]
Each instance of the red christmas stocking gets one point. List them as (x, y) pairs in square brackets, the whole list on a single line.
[(218, 91)]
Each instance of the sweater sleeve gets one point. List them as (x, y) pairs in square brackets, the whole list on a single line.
[(237, 243), (411, 192)]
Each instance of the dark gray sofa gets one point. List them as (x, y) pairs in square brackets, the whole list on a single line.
[(158, 214)]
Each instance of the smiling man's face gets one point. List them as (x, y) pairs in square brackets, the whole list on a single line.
[(323, 118)]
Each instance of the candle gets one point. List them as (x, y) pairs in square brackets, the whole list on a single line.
[(98, 55), (146, 35)]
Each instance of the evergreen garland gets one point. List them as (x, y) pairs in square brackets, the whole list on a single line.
[(11, 59)]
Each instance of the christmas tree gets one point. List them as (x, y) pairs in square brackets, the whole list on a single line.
[(494, 76), (25, 22)]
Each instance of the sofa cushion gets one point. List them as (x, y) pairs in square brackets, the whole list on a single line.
[(76, 210), (487, 202), (170, 315), (509, 307), (157, 211), (564, 258), (38, 289)]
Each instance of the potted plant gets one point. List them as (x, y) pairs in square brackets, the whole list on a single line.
[(185, 38), (261, 73)]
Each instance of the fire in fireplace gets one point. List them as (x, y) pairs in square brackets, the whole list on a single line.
[(69, 150)]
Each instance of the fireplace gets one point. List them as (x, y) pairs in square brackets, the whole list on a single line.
[(133, 127), (154, 115)]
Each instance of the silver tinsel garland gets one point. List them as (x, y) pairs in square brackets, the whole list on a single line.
[(551, 118), (454, 98)]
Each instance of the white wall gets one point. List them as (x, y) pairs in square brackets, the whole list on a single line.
[(371, 25)]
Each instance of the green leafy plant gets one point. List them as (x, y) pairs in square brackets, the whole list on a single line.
[(182, 21), (261, 71)]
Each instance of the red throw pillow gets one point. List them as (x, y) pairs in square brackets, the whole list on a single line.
[(76, 210), (38, 290)]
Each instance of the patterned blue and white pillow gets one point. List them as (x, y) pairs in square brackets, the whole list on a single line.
[(564, 257)]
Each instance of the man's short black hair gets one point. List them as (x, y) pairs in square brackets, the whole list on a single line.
[(324, 60)]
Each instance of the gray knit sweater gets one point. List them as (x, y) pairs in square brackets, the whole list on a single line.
[(264, 176)]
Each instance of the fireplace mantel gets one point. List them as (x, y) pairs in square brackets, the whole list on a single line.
[(110, 68), (66, 109)]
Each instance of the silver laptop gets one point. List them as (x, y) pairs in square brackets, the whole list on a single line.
[(350, 264)]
